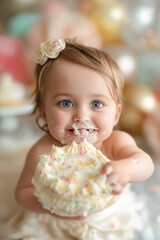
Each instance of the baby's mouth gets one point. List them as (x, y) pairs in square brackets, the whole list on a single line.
[(81, 131)]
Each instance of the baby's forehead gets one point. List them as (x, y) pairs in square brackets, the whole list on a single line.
[(61, 66), (64, 69), (69, 77), (67, 69)]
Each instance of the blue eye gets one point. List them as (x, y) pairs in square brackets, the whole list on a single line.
[(97, 104), (66, 104)]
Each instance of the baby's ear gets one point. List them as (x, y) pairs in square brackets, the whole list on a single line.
[(118, 113), (43, 114)]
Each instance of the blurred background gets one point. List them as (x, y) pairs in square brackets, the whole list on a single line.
[(128, 30)]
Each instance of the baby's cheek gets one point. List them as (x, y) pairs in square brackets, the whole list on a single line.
[(58, 124), (58, 118), (106, 124)]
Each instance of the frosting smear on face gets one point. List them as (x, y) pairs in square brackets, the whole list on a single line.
[(68, 180)]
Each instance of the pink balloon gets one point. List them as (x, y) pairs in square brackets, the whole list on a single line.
[(13, 59), (10, 46)]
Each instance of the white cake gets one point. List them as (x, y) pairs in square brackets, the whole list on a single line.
[(11, 93), (68, 180)]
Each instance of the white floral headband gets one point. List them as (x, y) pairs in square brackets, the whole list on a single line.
[(49, 49)]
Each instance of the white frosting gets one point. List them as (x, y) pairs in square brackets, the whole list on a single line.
[(68, 181), (11, 92)]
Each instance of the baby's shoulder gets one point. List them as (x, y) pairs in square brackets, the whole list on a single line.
[(120, 135), (117, 140), (42, 146)]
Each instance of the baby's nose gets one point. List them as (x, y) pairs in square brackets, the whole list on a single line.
[(81, 114)]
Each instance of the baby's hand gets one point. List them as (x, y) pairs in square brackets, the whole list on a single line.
[(68, 218), (117, 176)]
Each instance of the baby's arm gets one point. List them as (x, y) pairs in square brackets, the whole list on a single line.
[(25, 190), (130, 163)]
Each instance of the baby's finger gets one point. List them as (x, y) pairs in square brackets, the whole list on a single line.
[(117, 191), (114, 186), (107, 169), (112, 178)]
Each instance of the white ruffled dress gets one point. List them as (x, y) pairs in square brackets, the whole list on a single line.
[(119, 221)]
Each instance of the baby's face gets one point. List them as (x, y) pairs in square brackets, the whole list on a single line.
[(78, 104)]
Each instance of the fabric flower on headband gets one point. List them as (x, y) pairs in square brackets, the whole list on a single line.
[(49, 49)]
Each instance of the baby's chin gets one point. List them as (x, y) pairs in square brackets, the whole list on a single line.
[(68, 140)]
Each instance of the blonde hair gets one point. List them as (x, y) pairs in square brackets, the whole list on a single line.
[(90, 57)]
